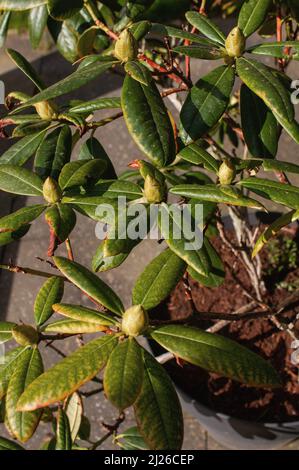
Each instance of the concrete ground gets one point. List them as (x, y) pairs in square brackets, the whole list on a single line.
[(17, 292)]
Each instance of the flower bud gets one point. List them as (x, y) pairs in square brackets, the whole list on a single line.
[(126, 47), (46, 110), (25, 335), (135, 321), (51, 191), (227, 172), (235, 43), (154, 191)]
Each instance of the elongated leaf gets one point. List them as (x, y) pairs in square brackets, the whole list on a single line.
[(61, 220), (21, 217), (280, 50), (275, 165), (90, 284), (16, 180), (166, 30), (4, 23), (252, 15), (68, 375), (37, 22), (124, 374), (131, 439), (23, 424), (217, 354), (216, 274), (84, 314), (26, 68), (21, 151), (158, 279), (20, 5), (259, 125), (206, 52), (102, 263), (23, 130), (5, 331), (148, 121), (6, 444), (206, 102), (195, 154), (90, 206), (277, 192), (138, 72), (92, 149), (186, 246), (8, 365), (73, 327), (54, 152), (74, 81), (101, 103), (74, 412), (66, 37), (50, 293), (115, 188), (63, 432), (10, 237), (63, 10), (206, 26), (214, 193), (157, 410), (292, 127), (86, 43), (80, 172), (260, 79)]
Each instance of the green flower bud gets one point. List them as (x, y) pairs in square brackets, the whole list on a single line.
[(46, 110), (235, 43), (25, 335), (126, 47), (227, 172), (51, 191), (135, 321), (154, 191)]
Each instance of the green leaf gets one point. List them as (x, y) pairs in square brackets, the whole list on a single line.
[(66, 37), (74, 411), (259, 125), (148, 121), (140, 29), (131, 439), (216, 274), (87, 107), (92, 149), (8, 365), (26, 68), (23, 424), (102, 263), (87, 41), (90, 284), (20, 5), (206, 27), (206, 102), (37, 22), (6, 444), (79, 173), (50, 293), (213, 193), (84, 314), (276, 165), (63, 432), (277, 192), (21, 217), (74, 81), (165, 30), (280, 50), (186, 247), (10, 237), (54, 152), (158, 280), (217, 354), (260, 79), (73, 327), (157, 410), (206, 52), (23, 130), (16, 180), (89, 206), (138, 72), (196, 155), (4, 24), (292, 127), (252, 15), (61, 220), (5, 331), (124, 374), (68, 375), (62, 10), (115, 188), (21, 151)]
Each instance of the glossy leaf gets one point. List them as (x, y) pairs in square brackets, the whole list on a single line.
[(74, 411), (92, 149), (20, 5), (5, 331), (124, 374), (62, 10), (90, 206), (10, 237), (86, 41), (115, 188), (157, 410), (73, 327), (280, 50), (87, 107), (23, 424), (90, 284), (54, 152), (206, 52), (21, 151), (206, 27), (158, 279), (26, 68), (4, 24), (23, 216), (50, 293), (131, 439), (84, 314), (206, 102), (79, 173), (63, 432), (102, 263), (166, 30), (148, 121), (197, 155), (16, 180), (280, 193), (68, 375), (7, 367), (216, 274), (6, 444), (138, 72), (252, 15), (61, 220), (259, 125), (37, 22)]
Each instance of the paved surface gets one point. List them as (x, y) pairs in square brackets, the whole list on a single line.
[(17, 292)]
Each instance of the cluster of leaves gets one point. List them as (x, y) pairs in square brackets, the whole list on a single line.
[(132, 376)]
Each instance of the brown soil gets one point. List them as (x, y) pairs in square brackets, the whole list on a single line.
[(225, 395)]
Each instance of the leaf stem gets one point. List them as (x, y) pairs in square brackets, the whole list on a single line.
[(33, 272), (69, 249), (92, 10)]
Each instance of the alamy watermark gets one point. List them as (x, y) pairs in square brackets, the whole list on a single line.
[(295, 93)]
